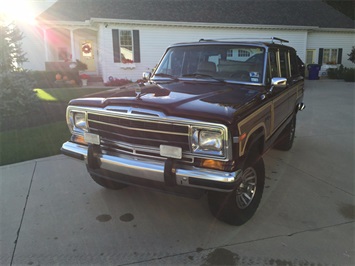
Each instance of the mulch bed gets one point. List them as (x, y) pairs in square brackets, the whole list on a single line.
[(49, 112)]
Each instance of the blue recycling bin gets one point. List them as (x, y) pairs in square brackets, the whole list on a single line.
[(313, 71)]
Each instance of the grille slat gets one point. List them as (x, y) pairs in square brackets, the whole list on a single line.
[(139, 132)]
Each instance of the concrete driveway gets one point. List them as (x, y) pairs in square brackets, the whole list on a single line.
[(52, 213)]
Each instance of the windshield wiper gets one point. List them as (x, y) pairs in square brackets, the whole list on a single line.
[(200, 75)]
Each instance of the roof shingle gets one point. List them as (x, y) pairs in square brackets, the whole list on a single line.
[(259, 12)]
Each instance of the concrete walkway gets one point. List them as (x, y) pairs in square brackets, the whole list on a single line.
[(52, 213)]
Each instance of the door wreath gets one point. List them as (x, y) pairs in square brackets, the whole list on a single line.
[(86, 49)]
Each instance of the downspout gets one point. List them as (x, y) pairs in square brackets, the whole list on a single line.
[(45, 44), (72, 45)]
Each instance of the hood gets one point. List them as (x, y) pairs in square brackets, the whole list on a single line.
[(206, 101)]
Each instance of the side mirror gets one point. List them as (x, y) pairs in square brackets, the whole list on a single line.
[(279, 82), (146, 75)]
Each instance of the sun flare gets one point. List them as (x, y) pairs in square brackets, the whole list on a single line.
[(22, 11)]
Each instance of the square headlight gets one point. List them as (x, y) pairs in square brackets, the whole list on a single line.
[(211, 140), (207, 141), (77, 122), (80, 121)]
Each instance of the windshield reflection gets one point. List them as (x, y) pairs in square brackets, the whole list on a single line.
[(218, 62)]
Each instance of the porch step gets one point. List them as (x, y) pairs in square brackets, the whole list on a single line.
[(96, 83), (95, 79)]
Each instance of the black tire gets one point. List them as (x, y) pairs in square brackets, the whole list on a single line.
[(234, 207), (106, 183), (285, 141)]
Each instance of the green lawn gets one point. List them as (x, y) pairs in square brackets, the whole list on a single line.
[(31, 143), (40, 141), (65, 94)]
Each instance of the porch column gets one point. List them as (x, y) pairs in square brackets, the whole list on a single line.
[(72, 44), (45, 39)]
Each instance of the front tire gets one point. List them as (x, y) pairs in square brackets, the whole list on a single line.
[(238, 206), (106, 183)]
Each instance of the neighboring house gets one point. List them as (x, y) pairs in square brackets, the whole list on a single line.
[(123, 38)]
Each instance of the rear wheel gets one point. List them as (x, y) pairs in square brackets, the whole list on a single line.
[(238, 206), (285, 141), (106, 183)]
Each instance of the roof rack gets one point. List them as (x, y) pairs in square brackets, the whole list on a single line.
[(278, 39), (273, 39)]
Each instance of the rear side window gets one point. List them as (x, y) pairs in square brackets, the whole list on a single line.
[(284, 64), (294, 64), (273, 64)]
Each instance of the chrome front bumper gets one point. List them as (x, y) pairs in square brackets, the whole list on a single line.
[(155, 170)]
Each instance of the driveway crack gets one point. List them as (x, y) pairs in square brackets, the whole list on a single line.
[(23, 214)]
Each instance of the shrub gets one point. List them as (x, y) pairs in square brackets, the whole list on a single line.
[(336, 73), (332, 73), (117, 82), (352, 55), (349, 74), (46, 79), (16, 94)]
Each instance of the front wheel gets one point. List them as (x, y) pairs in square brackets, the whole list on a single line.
[(238, 206)]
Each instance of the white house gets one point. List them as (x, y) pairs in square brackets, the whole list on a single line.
[(123, 38)]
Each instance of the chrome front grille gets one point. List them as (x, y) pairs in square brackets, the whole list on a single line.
[(137, 135)]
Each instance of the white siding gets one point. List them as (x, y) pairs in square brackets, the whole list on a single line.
[(343, 40), (155, 39)]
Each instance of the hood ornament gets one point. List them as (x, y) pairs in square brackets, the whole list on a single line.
[(138, 91)]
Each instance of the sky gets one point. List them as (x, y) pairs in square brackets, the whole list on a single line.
[(22, 11)]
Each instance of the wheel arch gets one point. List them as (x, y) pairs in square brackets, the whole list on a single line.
[(255, 143)]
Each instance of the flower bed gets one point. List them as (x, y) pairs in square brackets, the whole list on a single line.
[(117, 82)]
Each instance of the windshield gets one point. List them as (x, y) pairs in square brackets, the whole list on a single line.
[(222, 62)]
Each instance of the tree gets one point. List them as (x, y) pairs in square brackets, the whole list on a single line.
[(12, 56), (352, 55), (17, 97)]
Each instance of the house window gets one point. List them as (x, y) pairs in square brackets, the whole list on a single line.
[(243, 53), (331, 56), (230, 53), (126, 47)]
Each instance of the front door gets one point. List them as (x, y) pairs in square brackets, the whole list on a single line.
[(279, 97), (87, 54), (310, 56), (282, 99)]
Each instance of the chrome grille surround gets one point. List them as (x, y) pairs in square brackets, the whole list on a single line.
[(167, 130)]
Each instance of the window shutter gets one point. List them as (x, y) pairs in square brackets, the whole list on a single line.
[(136, 47), (116, 46), (340, 55), (320, 56)]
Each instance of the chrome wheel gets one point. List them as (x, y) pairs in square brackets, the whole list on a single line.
[(246, 191), (238, 206)]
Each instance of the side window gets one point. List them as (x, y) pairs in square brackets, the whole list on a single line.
[(284, 64), (273, 72), (294, 64)]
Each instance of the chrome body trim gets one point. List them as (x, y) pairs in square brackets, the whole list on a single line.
[(159, 118), (153, 168)]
